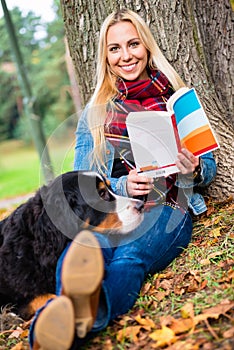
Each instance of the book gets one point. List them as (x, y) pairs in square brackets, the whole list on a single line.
[(156, 137)]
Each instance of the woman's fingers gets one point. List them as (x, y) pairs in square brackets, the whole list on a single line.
[(138, 185), (186, 162)]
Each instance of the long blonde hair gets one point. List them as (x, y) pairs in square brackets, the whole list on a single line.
[(106, 88)]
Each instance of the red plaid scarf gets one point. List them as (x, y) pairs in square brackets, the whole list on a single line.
[(149, 94)]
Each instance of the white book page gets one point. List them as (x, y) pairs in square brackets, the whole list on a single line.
[(153, 142)]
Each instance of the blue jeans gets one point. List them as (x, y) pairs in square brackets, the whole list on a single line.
[(128, 259)]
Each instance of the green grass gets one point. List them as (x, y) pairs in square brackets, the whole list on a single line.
[(20, 171)]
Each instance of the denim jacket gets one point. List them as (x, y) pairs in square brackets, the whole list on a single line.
[(82, 161)]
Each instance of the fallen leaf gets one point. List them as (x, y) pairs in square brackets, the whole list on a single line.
[(125, 320), (161, 295), (165, 284), (146, 323), (163, 336), (184, 345), (145, 288), (16, 333), (204, 262), (182, 325), (24, 333), (203, 284), (196, 275), (193, 286), (214, 312), (187, 310), (129, 333), (108, 345), (166, 320), (166, 275), (18, 346), (214, 255), (229, 333), (231, 274)]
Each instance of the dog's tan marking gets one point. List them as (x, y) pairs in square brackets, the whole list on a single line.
[(38, 302), (101, 186), (108, 182), (111, 222)]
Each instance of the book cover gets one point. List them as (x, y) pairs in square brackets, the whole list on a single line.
[(157, 136), (193, 126)]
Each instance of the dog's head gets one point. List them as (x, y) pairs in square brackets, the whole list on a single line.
[(84, 199)]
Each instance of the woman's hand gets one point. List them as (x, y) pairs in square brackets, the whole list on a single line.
[(186, 161), (138, 185)]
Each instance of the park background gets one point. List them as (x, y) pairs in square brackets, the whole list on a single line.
[(41, 41)]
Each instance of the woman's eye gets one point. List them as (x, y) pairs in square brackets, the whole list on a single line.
[(113, 48), (134, 44)]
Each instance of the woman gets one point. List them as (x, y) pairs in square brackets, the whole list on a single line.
[(132, 74)]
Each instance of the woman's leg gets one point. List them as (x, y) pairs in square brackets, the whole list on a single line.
[(150, 252)]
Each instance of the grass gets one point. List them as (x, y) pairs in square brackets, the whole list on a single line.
[(20, 166)]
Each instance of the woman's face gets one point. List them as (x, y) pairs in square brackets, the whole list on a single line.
[(126, 54)]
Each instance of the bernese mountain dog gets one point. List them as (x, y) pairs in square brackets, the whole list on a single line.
[(34, 235)]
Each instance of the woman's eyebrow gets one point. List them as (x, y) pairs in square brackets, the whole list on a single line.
[(127, 42)]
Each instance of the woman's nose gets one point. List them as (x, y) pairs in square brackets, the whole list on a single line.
[(126, 55)]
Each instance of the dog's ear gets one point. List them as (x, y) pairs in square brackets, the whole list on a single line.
[(58, 201), (95, 193)]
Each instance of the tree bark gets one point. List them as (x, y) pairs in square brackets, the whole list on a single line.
[(197, 37)]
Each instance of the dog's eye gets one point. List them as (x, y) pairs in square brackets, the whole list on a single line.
[(103, 193)]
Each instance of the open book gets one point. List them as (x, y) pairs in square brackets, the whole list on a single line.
[(157, 136)]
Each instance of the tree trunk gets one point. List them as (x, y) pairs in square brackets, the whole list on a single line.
[(197, 37), (75, 93)]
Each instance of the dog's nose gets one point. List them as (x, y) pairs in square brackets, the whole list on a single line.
[(139, 206)]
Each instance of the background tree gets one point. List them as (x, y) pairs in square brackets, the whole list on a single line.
[(43, 50), (34, 120), (11, 97), (197, 37)]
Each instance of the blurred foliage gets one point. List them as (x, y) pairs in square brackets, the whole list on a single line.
[(232, 3), (43, 51)]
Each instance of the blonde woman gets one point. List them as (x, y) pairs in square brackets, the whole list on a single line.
[(132, 74)]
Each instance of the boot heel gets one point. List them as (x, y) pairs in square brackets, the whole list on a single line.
[(54, 328), (83, 315), (82, 273)]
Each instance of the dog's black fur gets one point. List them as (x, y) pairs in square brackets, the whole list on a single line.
[(33, 237)]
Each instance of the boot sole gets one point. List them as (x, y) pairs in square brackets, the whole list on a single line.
[(54, 328), (82, 273)]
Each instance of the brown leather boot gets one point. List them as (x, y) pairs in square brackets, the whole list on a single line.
[(76, 309), (55, 326), (82, 274)]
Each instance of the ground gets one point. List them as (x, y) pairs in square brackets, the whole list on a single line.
[(189, 306)]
